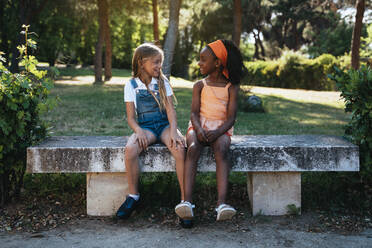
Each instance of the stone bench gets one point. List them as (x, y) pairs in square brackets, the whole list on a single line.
[(273, 163)]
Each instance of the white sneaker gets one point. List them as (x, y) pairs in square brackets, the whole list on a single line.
[(225, 212), (184, 210)]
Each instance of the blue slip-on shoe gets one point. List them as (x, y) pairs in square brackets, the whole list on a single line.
[(186, 223), (127, 208)]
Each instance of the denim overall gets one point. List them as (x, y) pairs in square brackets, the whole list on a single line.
[(149, 115)]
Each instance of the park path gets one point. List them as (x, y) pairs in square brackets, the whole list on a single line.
[(95, 233)]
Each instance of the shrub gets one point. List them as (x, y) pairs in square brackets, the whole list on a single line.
[(356, 90), (23, 98), (292, 71)]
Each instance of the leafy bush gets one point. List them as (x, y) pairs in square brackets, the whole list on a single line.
[(292, 71), (356, 89), (334, 40), (23, 98)]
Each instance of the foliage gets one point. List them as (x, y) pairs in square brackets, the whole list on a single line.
[(59, 32), (334, 40), (292, 209), (356, 90), (366, 45), (67, 30), (23, 98), (292, 70), (288, 21)]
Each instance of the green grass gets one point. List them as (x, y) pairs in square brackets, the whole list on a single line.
[(88, 109)]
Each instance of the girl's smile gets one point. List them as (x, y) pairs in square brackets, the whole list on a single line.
[(152, 65)]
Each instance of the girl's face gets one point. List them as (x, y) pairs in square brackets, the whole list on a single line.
[(152, 65), (207, 62)]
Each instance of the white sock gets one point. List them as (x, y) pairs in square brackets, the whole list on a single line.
[(135, 197)]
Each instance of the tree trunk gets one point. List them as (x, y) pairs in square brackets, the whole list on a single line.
[(260, 43), (171, 38), (99, 45), (108, 50), (355, 42), (297, 44), (237, 22), (155, 22)]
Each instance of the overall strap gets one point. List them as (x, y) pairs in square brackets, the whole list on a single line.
[(134, 83)]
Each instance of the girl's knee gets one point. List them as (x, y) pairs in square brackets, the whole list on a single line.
[(193, 149), (179, 154), (221, 151), (131, 151)]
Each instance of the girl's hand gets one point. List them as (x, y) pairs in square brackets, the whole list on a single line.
[(177, 140), (212, 135), (201, 135), (142, 139)]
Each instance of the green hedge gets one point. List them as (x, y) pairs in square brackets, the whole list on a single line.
[(356, 90), (23, 98), (292, 71)]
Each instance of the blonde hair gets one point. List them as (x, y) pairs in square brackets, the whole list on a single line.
[(144, 51)]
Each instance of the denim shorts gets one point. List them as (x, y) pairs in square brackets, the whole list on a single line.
[(156, 125)]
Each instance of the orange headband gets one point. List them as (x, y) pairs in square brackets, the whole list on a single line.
[(220, 51)]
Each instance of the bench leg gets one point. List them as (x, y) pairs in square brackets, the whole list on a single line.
[(105, 193), (271, 193)]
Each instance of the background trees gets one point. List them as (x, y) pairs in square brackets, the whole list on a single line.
[(82, 32)]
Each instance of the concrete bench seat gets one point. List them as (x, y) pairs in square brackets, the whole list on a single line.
[(273, 163)]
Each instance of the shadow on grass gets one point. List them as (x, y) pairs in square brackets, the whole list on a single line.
[(285, 116), (100, 110)]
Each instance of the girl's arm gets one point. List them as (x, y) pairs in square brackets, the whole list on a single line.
[(172, 118), (195, 112), (131, 117), (232, 107)]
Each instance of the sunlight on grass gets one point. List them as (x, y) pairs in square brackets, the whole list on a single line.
[(87, 109)]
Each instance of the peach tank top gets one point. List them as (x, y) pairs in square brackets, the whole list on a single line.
[(213, 107)]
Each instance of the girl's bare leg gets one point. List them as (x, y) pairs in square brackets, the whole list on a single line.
[(132, 150), (194, 149), (220, 148), (179, 155)]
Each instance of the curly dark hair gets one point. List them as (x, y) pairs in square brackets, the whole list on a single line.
[(234, 63)]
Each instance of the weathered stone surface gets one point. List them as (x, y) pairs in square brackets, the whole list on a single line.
[(105, 193), (79, 154), (271, 193)]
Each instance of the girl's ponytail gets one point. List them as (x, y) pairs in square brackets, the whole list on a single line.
[(234, 63)]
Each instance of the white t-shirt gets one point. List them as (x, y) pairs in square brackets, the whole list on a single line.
[(130, 93)]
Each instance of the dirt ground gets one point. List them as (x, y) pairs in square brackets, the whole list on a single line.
[(261, 231), (56, 220)]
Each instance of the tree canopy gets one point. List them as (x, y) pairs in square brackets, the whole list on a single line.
[(67, 31)]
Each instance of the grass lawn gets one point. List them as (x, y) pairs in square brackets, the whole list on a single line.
[(87, 109)]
